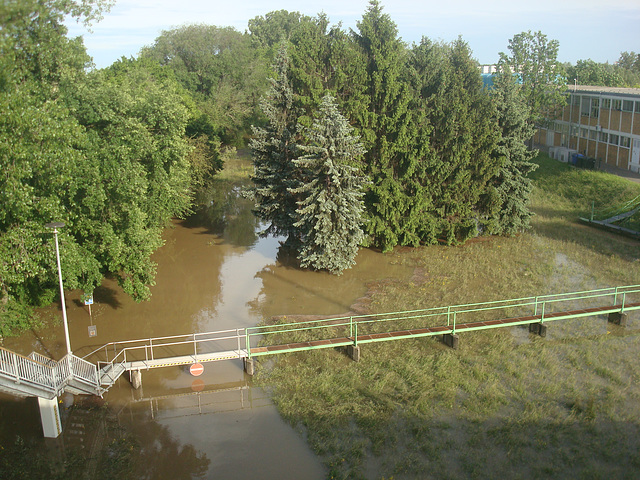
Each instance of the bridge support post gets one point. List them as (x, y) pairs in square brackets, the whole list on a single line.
[(353, 352), (135, 377), (50, 417), (249, 365), (618, 318), (538, 329), (450, 340)]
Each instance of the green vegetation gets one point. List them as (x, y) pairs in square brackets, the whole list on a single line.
[(534, 58), (330, 209), (624, 73), (506, 403), (443, 156), (114, 154)]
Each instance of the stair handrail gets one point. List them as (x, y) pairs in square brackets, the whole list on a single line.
[(46, 373), (27, 370)]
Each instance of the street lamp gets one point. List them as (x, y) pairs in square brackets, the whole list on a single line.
[(56, 226)]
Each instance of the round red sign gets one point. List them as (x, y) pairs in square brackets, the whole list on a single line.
[(196, 369)]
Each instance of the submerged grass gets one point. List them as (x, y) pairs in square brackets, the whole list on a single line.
[(505, 403)]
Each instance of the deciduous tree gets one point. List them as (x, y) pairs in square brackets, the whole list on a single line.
[(534, 58)]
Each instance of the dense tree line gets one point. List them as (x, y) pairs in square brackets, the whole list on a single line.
[(107, 152), (358, 139), (624, 73), (443, 158)]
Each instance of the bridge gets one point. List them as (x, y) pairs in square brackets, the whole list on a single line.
[(95, 372)]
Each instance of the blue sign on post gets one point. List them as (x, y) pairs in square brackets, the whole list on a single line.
[(88, 300)]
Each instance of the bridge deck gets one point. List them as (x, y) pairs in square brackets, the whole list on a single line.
[(439, 330), (185, 360)]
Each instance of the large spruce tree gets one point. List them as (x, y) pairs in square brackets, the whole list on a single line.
[(274, 147), (457, 169), (330, 209), (385, 124), (512, 184)]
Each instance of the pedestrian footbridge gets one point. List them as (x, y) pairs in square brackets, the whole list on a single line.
[(96, 371)]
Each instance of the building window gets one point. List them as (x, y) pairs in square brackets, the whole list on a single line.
[(585, 105), (616, 104), (575, 99), (606, 103), (595, 107), (604, 137), (625, 142), (584, 133), (593, 134), (613, 139), (637, 107), (627, 106)]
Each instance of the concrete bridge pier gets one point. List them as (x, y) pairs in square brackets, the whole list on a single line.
[(50, 417), (249, 365), (354, 352), (135, 377), (450, 340), (618, 318), (538, 329)]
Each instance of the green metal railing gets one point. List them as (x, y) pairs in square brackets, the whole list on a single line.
[(353, 330)]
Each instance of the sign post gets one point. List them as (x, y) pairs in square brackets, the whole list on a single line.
[(88, 301)]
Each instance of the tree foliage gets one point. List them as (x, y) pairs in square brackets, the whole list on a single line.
[(534, 58), (274, 148), (628, 67), (513, 186), (221, 68), (588, 72), (359, 140), (385, 125), (330, 210), (104, 152), (270, 30), (458, 165)]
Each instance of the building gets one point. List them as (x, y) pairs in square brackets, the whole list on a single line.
[(598, 122)]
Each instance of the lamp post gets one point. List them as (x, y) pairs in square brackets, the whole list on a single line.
[(56, 226)]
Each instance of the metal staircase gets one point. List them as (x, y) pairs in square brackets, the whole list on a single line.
[(40, 376)]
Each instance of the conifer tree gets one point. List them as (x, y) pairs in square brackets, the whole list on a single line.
[(386, 127), (513, 185), (458, 169), (274, 147), (330, 211)]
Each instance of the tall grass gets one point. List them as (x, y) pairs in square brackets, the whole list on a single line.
[(506, 403)]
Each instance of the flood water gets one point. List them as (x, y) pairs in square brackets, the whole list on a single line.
[(213, 273)]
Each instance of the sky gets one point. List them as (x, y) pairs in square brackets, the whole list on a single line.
[(585, 29)]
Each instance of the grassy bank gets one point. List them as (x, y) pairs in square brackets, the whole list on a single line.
[(506, 403)]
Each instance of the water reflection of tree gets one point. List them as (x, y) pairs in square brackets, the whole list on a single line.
[(222, 209), (159, 455)]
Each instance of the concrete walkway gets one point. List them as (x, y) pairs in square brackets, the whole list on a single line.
[(634, 177)]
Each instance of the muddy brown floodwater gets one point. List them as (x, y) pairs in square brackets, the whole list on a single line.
[(213, 273)]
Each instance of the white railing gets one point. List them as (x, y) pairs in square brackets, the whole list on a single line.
[(26, 370), (83, 370), (46, 374), (158, 348)]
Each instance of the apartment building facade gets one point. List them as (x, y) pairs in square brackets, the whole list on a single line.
[(598, 122)]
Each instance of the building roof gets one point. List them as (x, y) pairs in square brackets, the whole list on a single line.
[(599, 90)]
